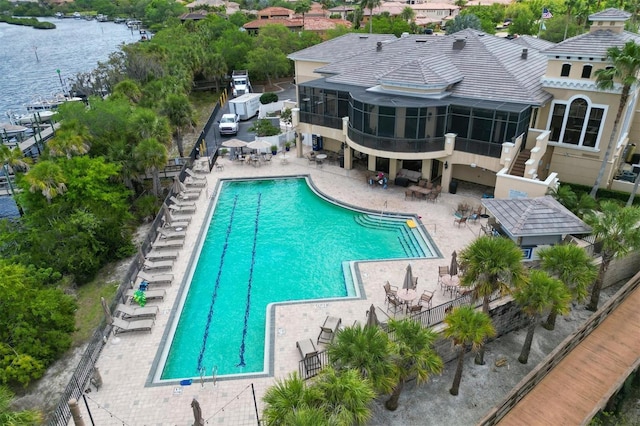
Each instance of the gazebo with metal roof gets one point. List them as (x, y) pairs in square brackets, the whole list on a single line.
[(533, 222)]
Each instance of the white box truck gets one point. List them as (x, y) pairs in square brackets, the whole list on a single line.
[(246, 106), (240, 82)]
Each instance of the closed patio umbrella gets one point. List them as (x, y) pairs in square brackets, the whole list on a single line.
[(197, 413), (453, 268), (107, 311), (408, 279), (372, 318)]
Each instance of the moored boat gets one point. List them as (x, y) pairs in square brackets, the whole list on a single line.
[(41, 104)]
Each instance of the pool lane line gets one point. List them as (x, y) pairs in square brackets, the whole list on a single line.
[(253, 261), (214, 296)]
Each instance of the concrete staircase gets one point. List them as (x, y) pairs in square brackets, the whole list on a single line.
[(518, 165)]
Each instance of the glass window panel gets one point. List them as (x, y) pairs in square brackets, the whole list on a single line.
[(586, 71), (556, 121), (481, 129), (566, 69), (593, 127), (575, 122), (411, 127), (331, 104), (460, 125), (387, 126), (412, 112)]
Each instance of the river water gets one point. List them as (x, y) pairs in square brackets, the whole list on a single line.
[(30, 58)]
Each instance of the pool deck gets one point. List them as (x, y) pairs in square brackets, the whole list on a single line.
[(126, 361)]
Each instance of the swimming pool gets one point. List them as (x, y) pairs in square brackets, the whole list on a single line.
[(269, 241)]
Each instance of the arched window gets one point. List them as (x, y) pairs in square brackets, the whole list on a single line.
[(577, 123), (566, 69), (586, 71)]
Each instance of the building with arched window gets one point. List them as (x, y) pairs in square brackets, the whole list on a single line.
[(515, 115)]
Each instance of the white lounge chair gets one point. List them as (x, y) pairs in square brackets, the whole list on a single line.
[(181, 203), (162, 243), (132, 312), (169, 234), (182, 209), (149, 294), (122, 326), (177, 225), (170, 218), (150, 265), (194, 176), (189, 181), (154, 255), (156, 279)]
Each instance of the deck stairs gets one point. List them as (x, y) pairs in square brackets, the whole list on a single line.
[(518, 165)]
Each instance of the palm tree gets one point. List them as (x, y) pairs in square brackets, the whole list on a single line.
[(14, 159), (407, 14), (178, 110), (573, 267), (537, 295), (413, 354), (145, 124), (287, 397), (16, 418), (368, 351), (128, 89), (71, 139), (624, 70), (345, 397), (152, 156), (490, 264), (302, 7), (48, 178), (578, 204), (466, 326), (370, 4), (616, 228)]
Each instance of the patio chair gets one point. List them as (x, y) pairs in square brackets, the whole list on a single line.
[(328, 329), (432, 196), (429, 185), (309, 354), (394, 305), (442, 271), (162, 243), (460, 221), (426, 299), (181, 203), (129, 312), (155, 255), (171, 234), (390, 291), (413, 309), (122, 326), (408, 194), (191, 182), (414, 283), (156, 279), (149, 294), (311, 157), (150, 265)]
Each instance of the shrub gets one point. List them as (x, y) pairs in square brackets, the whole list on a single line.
[(263, 127), (268, 98)]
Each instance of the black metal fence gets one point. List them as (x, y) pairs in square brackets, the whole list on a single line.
[(311, 366)]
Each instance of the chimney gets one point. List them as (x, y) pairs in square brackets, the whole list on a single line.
[(379, 46), (459, 43), (525, 53)]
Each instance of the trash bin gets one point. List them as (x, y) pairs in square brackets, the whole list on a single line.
[(453, 186)]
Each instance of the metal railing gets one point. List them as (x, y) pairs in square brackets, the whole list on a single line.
[(392, 144), (311, 366), (554, 358)]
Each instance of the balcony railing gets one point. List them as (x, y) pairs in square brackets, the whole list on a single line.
[(396, 144), (321, 120), (473, 146)]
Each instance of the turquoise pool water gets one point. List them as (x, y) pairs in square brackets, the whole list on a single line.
[(270, 241)]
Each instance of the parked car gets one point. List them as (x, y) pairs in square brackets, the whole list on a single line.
[(228, 124)]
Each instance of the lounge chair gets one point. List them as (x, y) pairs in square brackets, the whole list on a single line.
[(154, 255), (191, 182), (122, 326), (328, 329), (194, 176), (162, 243), (170, 218), (189, 193), (182, 209), (181, 203), (169, 234), (131, 312), (150, 265), (156, 279), (149, 294), (390, 291), (309, 355), (395, 305)]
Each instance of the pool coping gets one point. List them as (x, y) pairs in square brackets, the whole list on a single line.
[(153, 378)]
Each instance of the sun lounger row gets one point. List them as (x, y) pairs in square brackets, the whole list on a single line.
[(156, 279), (129, 312), (123, 326)]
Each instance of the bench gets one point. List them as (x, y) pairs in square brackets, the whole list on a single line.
[(411, 175)]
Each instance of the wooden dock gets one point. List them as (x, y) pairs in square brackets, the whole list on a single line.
[(582, 383)]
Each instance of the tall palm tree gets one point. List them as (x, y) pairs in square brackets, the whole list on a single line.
[(370, 4), (145, 124), (152, 156), (466, 326), (490, 264), (368, 351), (178, 110), (413, 354), (573, 267), (407, 14), (48, 178), (616, 228), (69, 142), (302, 7), (624, 69), (537, 295), (15, 160)]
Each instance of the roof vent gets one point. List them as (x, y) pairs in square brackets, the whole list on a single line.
[(364, 37), (525, 53), (405, 35), (379, 46), (459, 43)]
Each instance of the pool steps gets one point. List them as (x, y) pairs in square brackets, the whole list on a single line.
[(406, 238)]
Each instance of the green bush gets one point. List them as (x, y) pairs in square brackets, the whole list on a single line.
[(268, 98), (263, 127)]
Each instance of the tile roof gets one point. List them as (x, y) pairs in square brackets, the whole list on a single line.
[(532, 42), (522, 217), (310, 24), (340, 48), (492, 67), (610, 14), (593, 44)]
